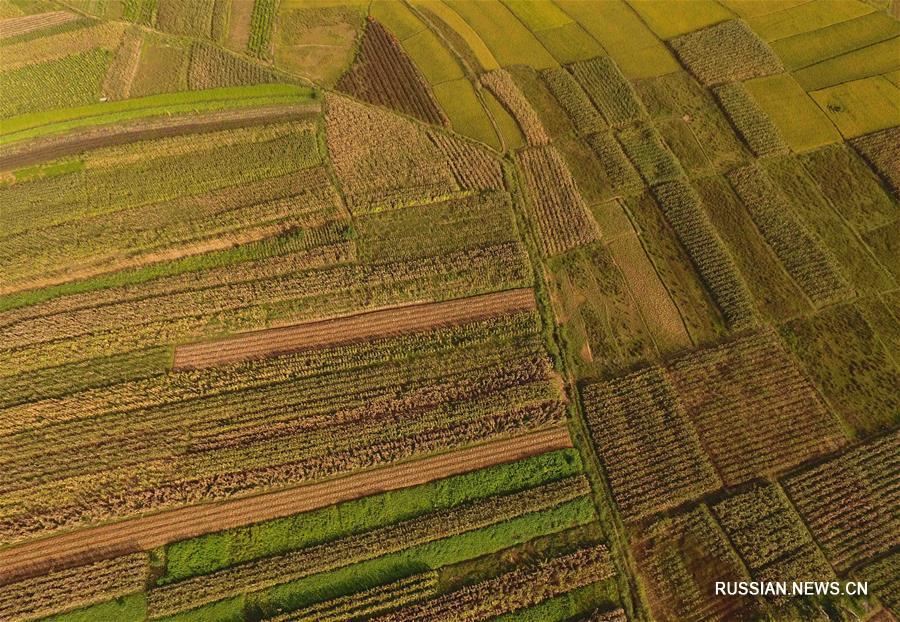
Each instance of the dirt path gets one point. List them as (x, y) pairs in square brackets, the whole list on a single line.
[(57, 146), (145, 533), (383, 323)]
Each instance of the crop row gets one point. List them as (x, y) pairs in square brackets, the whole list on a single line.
[(649, 154), (368, 603), (754, 125), (881, 151), (557, 207), (73, 588), (69, 81), (611, 92), (770, 537), (383, 74), (676, 557), (501, 84), (623, 177), (255, 304), (726, 52), (578, 106), (684, 212), (258, 575), (270, 410), (651, 453), (361, 327), (440, 351), (24, 24), (804, 256), (755, 411), (285, 431), (385, 160), (883, 576), (472, 167), (849, 502), (262, 20), (513, 590), (212, 67)]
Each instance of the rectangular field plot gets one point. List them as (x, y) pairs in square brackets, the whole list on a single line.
[(754, 410), (862, 106), (806, 17), (680, 559), (882, 151), (770, 536), (799, 120), (846, 359), (557, 208), (649, 450), (876, 59), (863, 485), (819, 45), (726, 52)]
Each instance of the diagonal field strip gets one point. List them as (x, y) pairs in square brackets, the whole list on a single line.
[(351, 328), (148, 532)]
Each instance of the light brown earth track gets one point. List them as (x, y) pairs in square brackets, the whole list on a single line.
[(57, 146), (148, 532), (342, 330), (15, 26)]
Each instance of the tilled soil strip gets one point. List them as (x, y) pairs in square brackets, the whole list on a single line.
[(16, 26), (349, 329), (57, 146), (145, 533)]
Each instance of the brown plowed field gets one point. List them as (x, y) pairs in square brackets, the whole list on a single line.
[(52, 147), (145, 533), (383, 323), (16, 26)]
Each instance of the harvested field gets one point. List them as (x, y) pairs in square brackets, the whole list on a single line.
[(145, 533), (651, 454), (559, 212), (17, 26), (504, 87), (383, 74), (338, 331), (623, 177), (239, 25), (849, 502), (123, 67), (726, 52)]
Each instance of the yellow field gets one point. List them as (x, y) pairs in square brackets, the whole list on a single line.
[(861, 106)]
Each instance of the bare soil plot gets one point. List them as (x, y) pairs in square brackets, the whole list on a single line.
[(384, 323)]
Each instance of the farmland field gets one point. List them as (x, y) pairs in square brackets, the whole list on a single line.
[(448, 310)]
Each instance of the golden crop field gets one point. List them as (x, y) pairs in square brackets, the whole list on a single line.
[(449, 310)]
